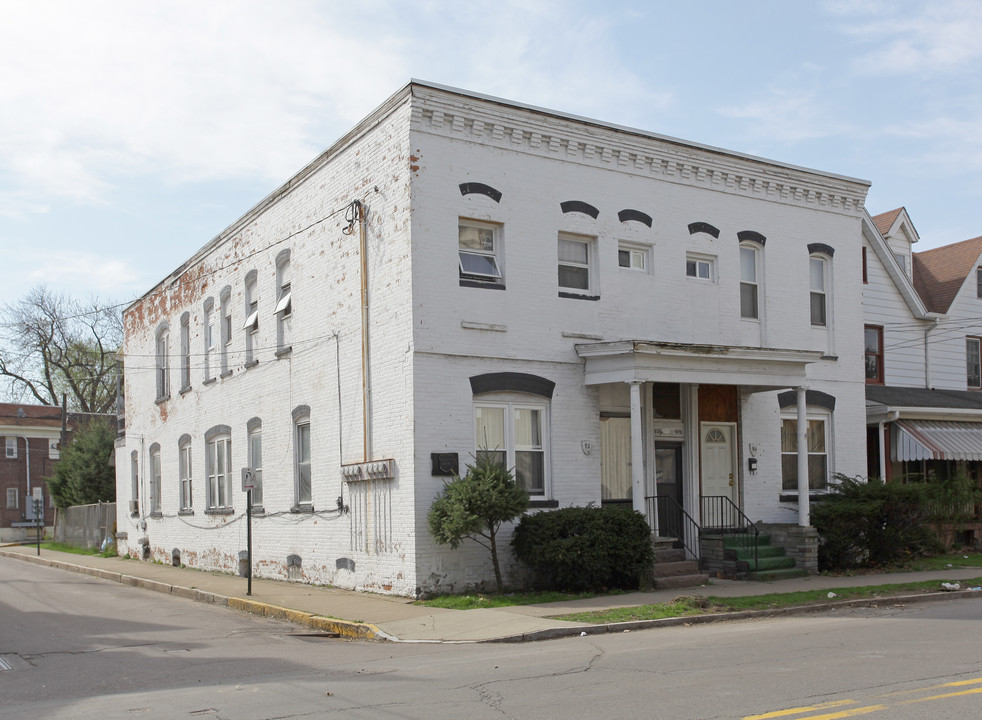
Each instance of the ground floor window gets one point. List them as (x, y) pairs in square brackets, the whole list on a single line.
[(217, 460), (818, 461), (515, 435), (184, 473)]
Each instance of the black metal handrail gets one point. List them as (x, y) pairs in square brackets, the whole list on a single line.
[(721, 515), (675, 522)]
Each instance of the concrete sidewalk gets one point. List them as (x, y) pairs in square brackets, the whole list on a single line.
[(383, 617)]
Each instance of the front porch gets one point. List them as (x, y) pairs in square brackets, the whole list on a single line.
[(674, 446)]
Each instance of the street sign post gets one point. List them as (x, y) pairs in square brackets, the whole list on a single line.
[(248, 485)]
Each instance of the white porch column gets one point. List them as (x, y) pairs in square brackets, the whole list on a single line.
[(637, 451), (803, 500)]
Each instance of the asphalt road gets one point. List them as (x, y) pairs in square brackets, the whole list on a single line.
[(79, 648)]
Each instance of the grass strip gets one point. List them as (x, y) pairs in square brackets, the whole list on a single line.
[(684, 606), (476, 601), (66, 548)]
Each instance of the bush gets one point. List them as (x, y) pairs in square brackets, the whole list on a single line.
[(586, 548), (474, 506), (871, 523)]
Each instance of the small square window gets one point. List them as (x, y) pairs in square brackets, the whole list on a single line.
[(700, 268), (632, 258)]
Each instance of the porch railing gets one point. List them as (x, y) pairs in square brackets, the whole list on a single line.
[(721, 516), (674, 522)]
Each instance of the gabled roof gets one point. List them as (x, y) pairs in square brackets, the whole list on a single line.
[(874, 237), (885, 221), (940, 273)]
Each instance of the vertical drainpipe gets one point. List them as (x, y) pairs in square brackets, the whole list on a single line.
[(927, 354), (366, 386)]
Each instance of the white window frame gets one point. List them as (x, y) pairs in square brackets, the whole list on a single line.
[(638, 257), (185, 351), (696, 261), (300, 426), (13, 499), (208, 334), (492, 259), (509, 408), (225, 328), (186, 476), (11, 448), (819, 291), (590, 265), (251, 326), (751, 283), (812, 415), (155, 483), (135, 477), (255, 438), (218, 461), (162, 355), (973, 363), (284, 300)]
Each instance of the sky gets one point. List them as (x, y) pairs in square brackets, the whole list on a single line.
[(131, 133)]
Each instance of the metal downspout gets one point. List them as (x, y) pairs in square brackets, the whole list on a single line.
[(927, 354), (28, 505), (366, 385)]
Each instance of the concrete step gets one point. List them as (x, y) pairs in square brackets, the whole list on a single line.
[(681, 581), (681, 567), (770, 563), (669, 555)]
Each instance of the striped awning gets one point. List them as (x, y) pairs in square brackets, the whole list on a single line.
[(936, 440)]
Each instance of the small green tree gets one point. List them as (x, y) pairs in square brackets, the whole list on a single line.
[(474, 506), (83, 475)]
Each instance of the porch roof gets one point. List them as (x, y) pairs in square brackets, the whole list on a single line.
[(885, 404), (647, 361)]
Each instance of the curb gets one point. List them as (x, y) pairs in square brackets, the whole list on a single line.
[(344, 628), (631, 625)]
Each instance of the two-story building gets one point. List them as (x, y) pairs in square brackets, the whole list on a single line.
[(30, 438), (617, 315)]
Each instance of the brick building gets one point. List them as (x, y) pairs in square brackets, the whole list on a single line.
[(30, 436), (616, 314)]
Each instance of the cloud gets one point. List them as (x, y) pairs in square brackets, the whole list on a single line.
[(786, 114), (919, 39)]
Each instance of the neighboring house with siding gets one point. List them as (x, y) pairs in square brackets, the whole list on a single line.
[(923, 327), (615, 314), (30, 440)]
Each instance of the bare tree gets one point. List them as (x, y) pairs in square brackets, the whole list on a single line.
[(52, 344)]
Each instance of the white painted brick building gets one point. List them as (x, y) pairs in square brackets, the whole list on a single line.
[(561, 291)]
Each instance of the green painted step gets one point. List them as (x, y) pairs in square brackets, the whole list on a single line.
[(738, 541), (782, 574), (762, 552)]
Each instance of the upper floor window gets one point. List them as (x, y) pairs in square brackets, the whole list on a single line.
[(865, 268), (163, 363), (749, 256), (978, 282), (11, 448), (209, 337), (874, 354), (818, 273), (632, 257), (973, 355), (184, 471), (284, 301), (251, 326), (226, 328), (700, 267), (515, 435), (575, 263), (185, 351), (479, 252)]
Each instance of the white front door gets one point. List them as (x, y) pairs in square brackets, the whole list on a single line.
[(718, 464)]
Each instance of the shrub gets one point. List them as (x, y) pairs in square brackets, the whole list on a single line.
[(474, 506), (871, 523), (586, 548)]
